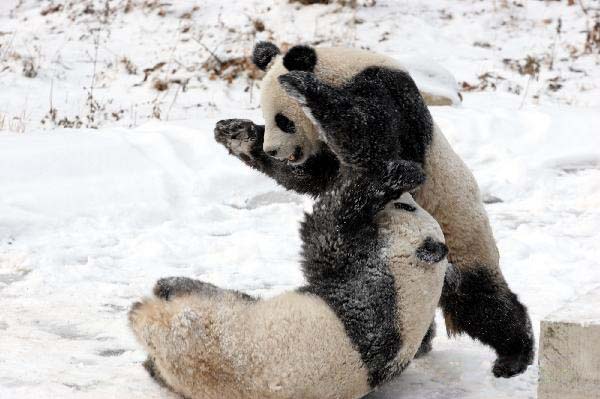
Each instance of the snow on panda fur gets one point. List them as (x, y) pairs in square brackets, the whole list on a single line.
[(309, 91), (374, 267)]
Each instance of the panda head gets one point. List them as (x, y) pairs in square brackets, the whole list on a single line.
[(289, 134), (413, 232)]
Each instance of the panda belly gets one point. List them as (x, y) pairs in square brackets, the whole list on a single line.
[(403, 227)]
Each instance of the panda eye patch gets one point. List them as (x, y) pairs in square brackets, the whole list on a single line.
[(404, 206), (285, 124)]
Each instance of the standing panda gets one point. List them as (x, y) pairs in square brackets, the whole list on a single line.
[(309, 91), (374, 267)]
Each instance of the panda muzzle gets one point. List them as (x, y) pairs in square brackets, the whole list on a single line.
[(296, 155)]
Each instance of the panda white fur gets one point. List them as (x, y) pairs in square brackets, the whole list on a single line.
[(374, 268), (311, 90)]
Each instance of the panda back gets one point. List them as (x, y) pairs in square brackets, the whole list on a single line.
[(337, 65)]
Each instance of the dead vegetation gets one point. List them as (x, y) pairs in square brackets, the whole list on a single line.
[(15, 124), (231, 69), (130, 67), (486, 81), (592, 40), (343, 3), (29, 68), (198, 53), (530, 65)]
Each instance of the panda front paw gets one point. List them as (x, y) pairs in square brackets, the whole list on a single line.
[(241, 137), (299, 85), (399, 177)]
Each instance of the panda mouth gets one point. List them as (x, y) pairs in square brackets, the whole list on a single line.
[(297, 156)]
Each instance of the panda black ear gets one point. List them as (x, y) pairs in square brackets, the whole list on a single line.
[(300, 58), (263, 53), (432, 251)]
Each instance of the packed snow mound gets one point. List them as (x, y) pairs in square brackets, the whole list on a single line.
[(434, 81)]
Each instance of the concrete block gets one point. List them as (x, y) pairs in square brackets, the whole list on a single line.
[(569, 353)]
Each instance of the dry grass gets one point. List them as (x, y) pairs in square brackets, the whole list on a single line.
[(230, 69)]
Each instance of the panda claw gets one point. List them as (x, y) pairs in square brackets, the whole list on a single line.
[(231, 129), (239, 136)]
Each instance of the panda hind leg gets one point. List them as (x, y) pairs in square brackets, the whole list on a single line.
[(483, 306), (150, 366), (170, 287), (426, 344)]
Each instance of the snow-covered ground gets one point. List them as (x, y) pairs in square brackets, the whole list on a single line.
[(90, 218)]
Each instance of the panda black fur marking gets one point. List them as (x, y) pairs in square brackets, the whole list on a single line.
[(263, 54), (432, 251), (451, 194), (477, 295), (391, 104), (300, 58), (404, 206), (285, 124)]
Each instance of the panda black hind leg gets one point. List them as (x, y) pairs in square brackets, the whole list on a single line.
[(483, 306), (170, 287), (426, 344)]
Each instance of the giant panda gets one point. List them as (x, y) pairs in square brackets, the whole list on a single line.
[(375, 265), (310, 90)]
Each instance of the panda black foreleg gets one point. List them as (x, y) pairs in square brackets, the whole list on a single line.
[(357, 198), (244, 140), (483, 306), (376, 116), (358, 127), (341, 230)]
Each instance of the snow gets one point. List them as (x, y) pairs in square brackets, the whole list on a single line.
[(90, 218), (583, 310)]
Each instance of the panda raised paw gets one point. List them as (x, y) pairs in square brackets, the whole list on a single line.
[(401, 176), (240, 136)]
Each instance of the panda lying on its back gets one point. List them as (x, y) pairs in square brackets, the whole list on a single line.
[(367, 96), (371, 293)]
